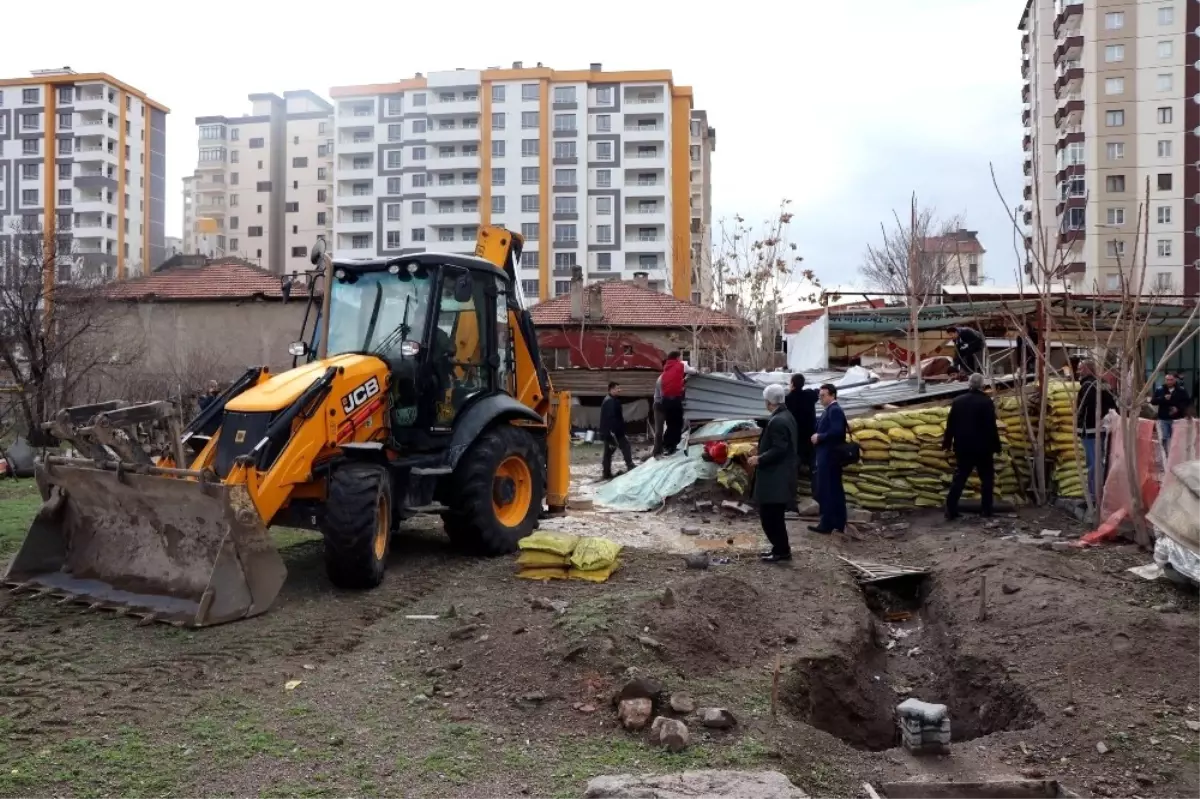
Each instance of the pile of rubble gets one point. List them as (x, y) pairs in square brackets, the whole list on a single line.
[(642, 703)]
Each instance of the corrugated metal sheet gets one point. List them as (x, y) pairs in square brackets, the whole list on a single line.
[(594, 382)]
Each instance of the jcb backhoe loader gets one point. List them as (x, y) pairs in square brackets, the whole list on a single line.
[(419, 390)]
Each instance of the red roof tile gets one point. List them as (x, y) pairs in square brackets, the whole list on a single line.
[(218, 280), (629, 305)]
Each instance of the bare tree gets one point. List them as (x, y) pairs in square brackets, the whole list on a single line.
[(57, 332), (917, 256), (755, 266)]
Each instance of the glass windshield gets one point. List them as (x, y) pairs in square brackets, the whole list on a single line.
[(367, 312)]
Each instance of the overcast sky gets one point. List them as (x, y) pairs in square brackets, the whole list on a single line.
[(845, 108)]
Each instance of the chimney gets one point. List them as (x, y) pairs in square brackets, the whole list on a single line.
[(539, 65), (595, 302), (731, 304), (641, 280), (419, 75), (518, 64), (596, 66), (577, 293)]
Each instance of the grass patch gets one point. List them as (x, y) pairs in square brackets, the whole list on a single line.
[(287, 537), (123, 764), (589, 616), (458, 755), (19, 501)]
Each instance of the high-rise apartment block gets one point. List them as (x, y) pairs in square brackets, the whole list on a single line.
[(1110, 90), (83, 160), (598, 171), (702, 145), (262, 189)]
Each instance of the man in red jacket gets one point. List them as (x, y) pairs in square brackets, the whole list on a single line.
[(672, 402)]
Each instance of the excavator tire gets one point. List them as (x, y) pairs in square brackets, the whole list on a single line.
[(357, 525), (498, 489)]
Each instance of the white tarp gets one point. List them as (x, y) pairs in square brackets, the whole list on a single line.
[(808, 348)]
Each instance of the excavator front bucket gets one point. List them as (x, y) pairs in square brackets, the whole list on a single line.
[(164, 544)]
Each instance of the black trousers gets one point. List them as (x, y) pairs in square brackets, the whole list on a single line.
[(987, 477), (658, 421), (611, 443), (672, 408), (774, 527)]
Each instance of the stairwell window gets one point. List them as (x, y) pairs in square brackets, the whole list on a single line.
[(1166, 49), (1114, 53), (1116, 216), (1164, 214), (1115, 183), (1114, 20), (1165, 82), (1166, 15), (1114, 119), (1114, 85), (1164, 148), (1164, 248), (1115, 150), (1165, 115), (1116, 249)]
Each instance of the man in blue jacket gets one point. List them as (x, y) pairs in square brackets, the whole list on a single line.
[(829, 439)]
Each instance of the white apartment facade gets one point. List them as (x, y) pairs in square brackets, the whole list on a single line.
[(592, 167), (1108, 88), (83, 160), (262, 189), (702, 144)]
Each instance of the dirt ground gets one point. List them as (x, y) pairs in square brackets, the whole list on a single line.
[(335, 693)]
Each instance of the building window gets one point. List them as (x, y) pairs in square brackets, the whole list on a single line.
[(562, 287), (321, 218), (234, 223), (648, 261), (529, 230), (393, 239), (603, 123), (393, 186), (291, 208), (497, 176), (1114, 53), (395, 132), (529, 120), (418, 99), (529, 175), (393, 211), (564, 234), (498, 148), (564, 177), (529, 91), (529, 148), (1114, 119), (360, 241), (322, 173), (1114, 85), (1115, 183), (604, 151), (564, 149), (1116, 249), (604, 234), (1116, 150), (254, 231), (445, 234), (393, 159), (1166, 49), (1164, 248), (604, 95), (564, 260), (1164, 148), (528, 287), (564, 122), (564, 94), (30, 146), (603, 206), (565, 205), (419, 181), (263, 185), (1164, 181), (498, 204), (29, 171), (1164, 214), (29, 197), (299, 252), (420, 125), (1075, 219), (530, 204), (1114, 20), (497, 94), (30, 96), (603, 178), (498, 120), (64, 196), (418, 207), (256, 144), (529, 259), (1116, 216), (1166, 15), (418, 234), (1166, 82), (1165, 115)]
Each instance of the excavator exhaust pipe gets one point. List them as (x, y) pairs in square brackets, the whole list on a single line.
[(167, 545)]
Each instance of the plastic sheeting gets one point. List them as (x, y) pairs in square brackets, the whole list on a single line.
[(1167, 553), (649, 485), (808, 348)]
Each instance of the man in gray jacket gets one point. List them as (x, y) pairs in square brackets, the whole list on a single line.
[(775, 474)]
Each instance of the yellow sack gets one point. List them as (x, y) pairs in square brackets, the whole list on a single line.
[(904, 446), (871, 444), (875, 468), (901, 455), (595, 553), (543, 573), (857, 424), (593, 575), (850, 488), (876, 455), (864, 499), (929, 430), (902, 434), (909, 421), (542, 541), (869, 435), (534, 558), (1064, 438)]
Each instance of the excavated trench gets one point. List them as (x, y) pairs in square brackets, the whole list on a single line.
[(904, 651)]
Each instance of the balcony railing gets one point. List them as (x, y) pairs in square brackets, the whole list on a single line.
[(645, 100), (650, 128)]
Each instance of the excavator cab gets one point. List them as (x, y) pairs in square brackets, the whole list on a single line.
[(419, 391)]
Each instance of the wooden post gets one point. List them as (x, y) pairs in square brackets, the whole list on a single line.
[(982, 597)]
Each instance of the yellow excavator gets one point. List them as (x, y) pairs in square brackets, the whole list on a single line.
[(420, 390)]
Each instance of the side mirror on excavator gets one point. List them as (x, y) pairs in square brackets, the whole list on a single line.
[(298, 349), (464, 288), (317, 251)]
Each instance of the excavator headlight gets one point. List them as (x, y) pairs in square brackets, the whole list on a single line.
[(340, 274), (298, 348), (394, 269)]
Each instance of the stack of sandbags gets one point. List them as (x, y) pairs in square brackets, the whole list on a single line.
[(1018, 447), (1063, 446), (546, 555), (594, 560)]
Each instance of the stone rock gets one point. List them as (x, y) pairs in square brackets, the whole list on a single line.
[(702, 505), (717, 718), (465, 631), (634, 714), (670, 734), (1006, 588), (667, 598), (682, 704), (1193, 725), (552, 605), (809, 507), (1062, 546), (640, 688), (859, 516), (652, 643), (1101, 748), (690, 530), (1166, 607), (696, 560), (694, 784)]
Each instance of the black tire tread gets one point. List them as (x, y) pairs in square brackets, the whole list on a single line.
[(349, 525), (472, 526)]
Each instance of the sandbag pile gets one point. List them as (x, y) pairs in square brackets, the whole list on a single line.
[(1017, 444), (1062, 444), (560, 556), (904, 466)]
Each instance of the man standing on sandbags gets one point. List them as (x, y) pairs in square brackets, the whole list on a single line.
[(829, 440), (775, 474), (974, 436)]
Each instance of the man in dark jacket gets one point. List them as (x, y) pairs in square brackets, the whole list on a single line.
[(1088, 424), (968, 349), (802, 404), (612, 431), (210, 394), (1172, 402), (673, 381), (775, 474), (829, 439), (973, 435)]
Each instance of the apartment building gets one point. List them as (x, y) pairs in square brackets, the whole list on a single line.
[(83, 159), (592, 167), (703, 143), (262, 188), (1108, 88)]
